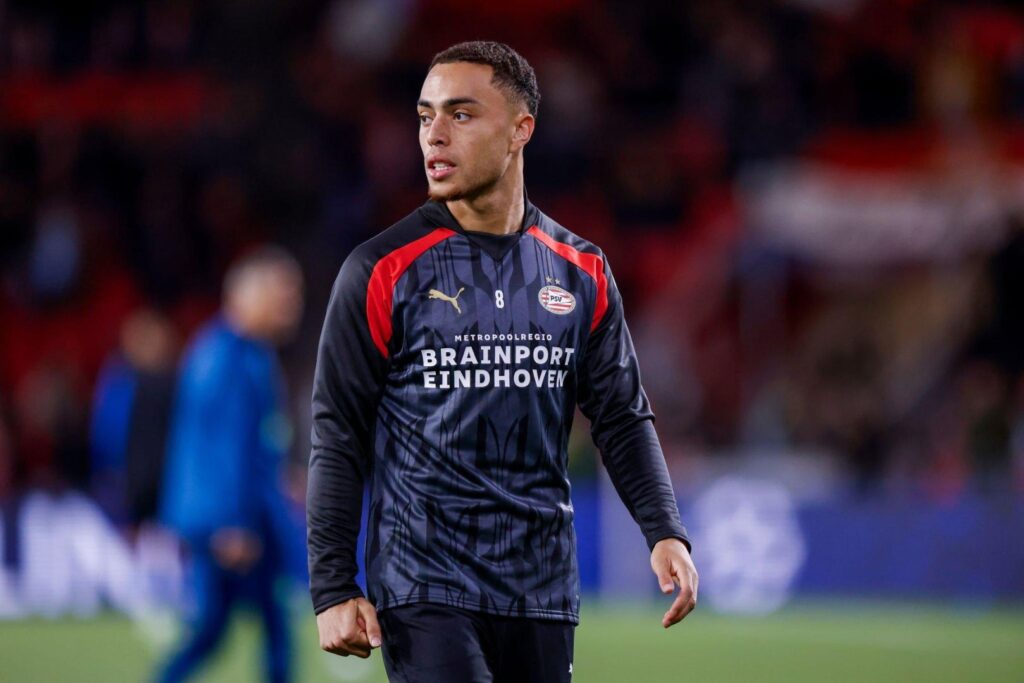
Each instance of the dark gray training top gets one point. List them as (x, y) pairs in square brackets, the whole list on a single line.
[(448, 373)]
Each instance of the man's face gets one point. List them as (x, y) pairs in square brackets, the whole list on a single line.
[(467, 131), (281, 298)]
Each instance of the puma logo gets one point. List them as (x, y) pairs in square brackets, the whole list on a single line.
[(436, 294)]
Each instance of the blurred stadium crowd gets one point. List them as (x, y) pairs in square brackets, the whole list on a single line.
[(812, 208)]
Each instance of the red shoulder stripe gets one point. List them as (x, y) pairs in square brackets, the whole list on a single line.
[(381, 289), (591, 264)]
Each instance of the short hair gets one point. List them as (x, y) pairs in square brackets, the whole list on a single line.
[(512, 73), (259, 261)]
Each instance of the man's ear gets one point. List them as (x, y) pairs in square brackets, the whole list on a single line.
[(523, 131)]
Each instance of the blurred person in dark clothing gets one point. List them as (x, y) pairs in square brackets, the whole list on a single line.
[(986, 405), (131, 413), (150, 346), (51, 427), (6, 455), (222, 492), (1004, 337)]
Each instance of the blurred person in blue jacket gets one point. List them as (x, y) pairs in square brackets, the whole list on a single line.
[(222, 491), (131, 412)]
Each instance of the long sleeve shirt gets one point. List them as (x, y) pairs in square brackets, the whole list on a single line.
[(449, 368)]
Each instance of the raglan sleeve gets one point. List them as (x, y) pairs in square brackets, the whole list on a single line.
[(350, 374), (611, 396)]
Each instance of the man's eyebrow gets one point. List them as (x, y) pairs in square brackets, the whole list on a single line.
[(449, 103)]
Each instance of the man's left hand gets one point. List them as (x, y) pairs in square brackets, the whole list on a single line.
[(671, 563)]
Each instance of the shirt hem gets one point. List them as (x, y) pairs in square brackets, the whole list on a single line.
[(527, 613)]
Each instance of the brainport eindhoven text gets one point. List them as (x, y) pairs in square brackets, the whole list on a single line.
[(466, 373)]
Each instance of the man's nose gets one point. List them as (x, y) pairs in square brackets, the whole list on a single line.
[(438, 132)]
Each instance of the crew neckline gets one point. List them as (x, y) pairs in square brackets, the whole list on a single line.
[(496, 246)]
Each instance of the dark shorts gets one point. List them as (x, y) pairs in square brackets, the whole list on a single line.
[(425, 643)]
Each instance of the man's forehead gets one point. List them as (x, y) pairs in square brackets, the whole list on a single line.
[(458, 80)]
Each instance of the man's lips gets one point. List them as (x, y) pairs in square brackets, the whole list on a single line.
[(439, 169)]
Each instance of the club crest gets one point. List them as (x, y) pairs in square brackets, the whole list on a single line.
[(556, 300)]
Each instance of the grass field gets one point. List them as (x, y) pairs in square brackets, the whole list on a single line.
[(810, 642)]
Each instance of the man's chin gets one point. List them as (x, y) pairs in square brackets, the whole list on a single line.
[(444, 193), (454, 193)]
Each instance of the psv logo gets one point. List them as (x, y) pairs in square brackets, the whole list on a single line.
[(556, 300)]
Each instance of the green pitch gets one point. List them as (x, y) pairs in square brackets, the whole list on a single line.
[(812, 642)]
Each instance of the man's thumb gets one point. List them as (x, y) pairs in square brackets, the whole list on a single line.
[(372, 626), (664, 577)]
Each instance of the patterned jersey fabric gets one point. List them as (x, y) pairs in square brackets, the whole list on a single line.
[(449, 369)]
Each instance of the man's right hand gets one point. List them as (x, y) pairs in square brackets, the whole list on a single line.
[(349, 628), (236, 549)]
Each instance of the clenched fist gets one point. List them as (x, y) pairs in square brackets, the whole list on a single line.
[(349, 628)]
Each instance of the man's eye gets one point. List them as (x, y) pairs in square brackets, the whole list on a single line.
[(424, 119), (461, 116)]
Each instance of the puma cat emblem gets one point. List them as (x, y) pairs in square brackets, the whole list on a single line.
[(437, 294)]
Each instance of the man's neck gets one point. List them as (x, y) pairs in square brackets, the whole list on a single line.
[(499, 212), (239, 322)]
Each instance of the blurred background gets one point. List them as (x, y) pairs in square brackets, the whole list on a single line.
[(814, 210)]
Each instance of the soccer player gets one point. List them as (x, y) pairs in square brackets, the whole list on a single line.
[(222, 488), (456, 346)]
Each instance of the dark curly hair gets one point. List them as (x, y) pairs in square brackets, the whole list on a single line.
[(512, 73)]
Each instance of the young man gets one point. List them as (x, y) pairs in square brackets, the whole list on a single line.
[(222, 488), (456, 346)]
